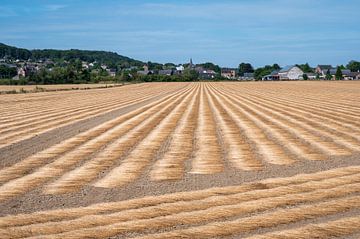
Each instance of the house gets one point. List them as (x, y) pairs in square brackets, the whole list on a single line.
[(112, 72), (180, 68), (166, 72), (228, 73), (357, 77), (247, 76), (290, 73), (322, 69), (347, 74), (21, 72), (310, 75), (26, 70), (145, 73), (273, 76), (85, 65), (205, 74)]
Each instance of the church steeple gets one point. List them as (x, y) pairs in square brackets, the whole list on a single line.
[(191, 63)]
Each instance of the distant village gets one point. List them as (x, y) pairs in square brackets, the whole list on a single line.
[(25, 68), (321, 72)]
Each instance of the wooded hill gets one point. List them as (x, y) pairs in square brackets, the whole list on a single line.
[(109, 58)]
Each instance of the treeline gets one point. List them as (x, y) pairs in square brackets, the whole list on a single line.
[(73, 74), (111, 59), (7, 72), (187, 76)]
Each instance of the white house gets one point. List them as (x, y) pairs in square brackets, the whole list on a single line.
[(290, 73), (180, 68)]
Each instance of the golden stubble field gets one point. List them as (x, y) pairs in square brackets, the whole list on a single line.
[(39, 88), (182, 160)]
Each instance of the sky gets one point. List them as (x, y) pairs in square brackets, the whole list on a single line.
[(225, 32)]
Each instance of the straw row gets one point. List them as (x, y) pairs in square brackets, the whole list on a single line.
[(238, 150), (248, 191), (298, 130), (129, 134), (143, 154), (45, 156), (267, 149), (171, 165), (64, 163), (337, 228), (18, 128), (251, 223), (207, 151), (344, 138), (301, 193)]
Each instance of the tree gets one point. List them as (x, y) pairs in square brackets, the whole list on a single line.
[(354, 66), (125, 76), (276, 67), (305, 77), (190, 75), (210, 66), (338, 74), (7, 72), (245, 68), (266, 70), (85, 75), (305, 67), (328, 75)]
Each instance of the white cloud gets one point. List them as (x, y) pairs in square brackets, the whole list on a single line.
[(54, 7)]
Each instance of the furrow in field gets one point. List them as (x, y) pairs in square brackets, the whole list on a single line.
[(207, 151), (280, 196), (345, 139), (336, 228), (302, 143), (279, 134), (310, 108), (105, 208), (328, 120), (267, 149), (69, 106), (132, 131), (144, 153), (313, 96), (49, 124), (47, 104), (172, 164), (343, 201), (33, 122), (238, 150), (56, 168), (17, 124), (251, 223), (27, 165), (299, 129), (51, 107), (26, 131)]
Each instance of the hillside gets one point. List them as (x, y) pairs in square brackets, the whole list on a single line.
[(85, 55)]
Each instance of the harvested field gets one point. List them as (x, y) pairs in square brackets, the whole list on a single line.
[(182, 160), (39, 88)]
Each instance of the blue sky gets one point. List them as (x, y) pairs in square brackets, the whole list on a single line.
[(224, 32)]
